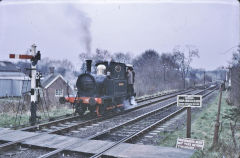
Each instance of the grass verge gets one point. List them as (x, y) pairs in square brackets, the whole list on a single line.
[(9, 119), (203, 128)]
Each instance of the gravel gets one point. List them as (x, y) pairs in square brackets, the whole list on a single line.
[(23, 152)]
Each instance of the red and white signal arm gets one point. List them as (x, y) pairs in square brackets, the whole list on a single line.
[(20, 56), (189, 100)]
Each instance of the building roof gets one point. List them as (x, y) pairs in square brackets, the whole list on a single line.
[(7, 66), (13, 76), (50, 79)]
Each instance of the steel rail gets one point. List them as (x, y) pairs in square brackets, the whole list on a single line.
[(22, 126), (153, 96)]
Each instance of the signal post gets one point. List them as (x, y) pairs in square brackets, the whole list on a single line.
[(35, 57)]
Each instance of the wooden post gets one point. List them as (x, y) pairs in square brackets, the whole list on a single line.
[(204, 78), (216, 130), (188, 122)]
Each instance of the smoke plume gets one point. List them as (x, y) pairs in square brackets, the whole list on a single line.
[(82, 25)]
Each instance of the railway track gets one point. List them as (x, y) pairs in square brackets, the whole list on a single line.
[(73, 124), (145, 123), (75, 120), (62, 119), (119, 133), (72, 116)]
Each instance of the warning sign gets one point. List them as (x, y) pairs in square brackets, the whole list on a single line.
[(188, 143), (189, 100)]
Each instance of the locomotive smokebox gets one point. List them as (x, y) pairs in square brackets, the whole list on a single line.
[(89, 65)]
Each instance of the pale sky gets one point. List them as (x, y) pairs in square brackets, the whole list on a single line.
[(59, 28)]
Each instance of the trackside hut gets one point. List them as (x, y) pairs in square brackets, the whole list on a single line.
[(13, 83), (54, 87)]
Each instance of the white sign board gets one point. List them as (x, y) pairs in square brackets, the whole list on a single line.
[(188, 143), (189, 100)]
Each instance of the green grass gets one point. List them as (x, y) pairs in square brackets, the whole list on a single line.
[(8, 119), (203, 128)]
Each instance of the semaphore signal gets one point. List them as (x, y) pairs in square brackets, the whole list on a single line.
[(20, 56), (35, 78)]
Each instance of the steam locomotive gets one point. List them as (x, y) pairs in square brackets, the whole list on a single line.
[(101, 91)]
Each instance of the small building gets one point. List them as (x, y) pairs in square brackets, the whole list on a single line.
[(54, 87), (13, 83)]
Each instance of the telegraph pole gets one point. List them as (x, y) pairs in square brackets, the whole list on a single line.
[(164, 72), (34, 78), (217, 124), (204, 78)]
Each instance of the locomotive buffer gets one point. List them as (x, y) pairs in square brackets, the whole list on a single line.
[(35, 79)]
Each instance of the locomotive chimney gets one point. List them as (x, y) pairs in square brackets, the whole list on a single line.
[(89, 65), (51, 70)]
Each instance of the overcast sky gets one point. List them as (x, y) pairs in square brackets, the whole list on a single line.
[(63, 30)]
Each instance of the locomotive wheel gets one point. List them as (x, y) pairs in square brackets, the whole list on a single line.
[(102, 109), (80, 110), (121, 108), (92, 109)]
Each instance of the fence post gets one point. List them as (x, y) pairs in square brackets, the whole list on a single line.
[(188, 122), (216, 130)]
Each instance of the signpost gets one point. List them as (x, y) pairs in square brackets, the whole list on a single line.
[(189, 101), (187, 143)]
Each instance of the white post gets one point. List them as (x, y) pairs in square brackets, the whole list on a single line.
[(33, 75), (33, 108)]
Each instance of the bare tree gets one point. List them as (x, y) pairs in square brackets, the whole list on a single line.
[(102, 55), (185, 61), (148, 73), (122, 57), (99, 55)]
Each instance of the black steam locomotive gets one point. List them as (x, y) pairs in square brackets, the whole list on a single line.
[(101, 91)]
